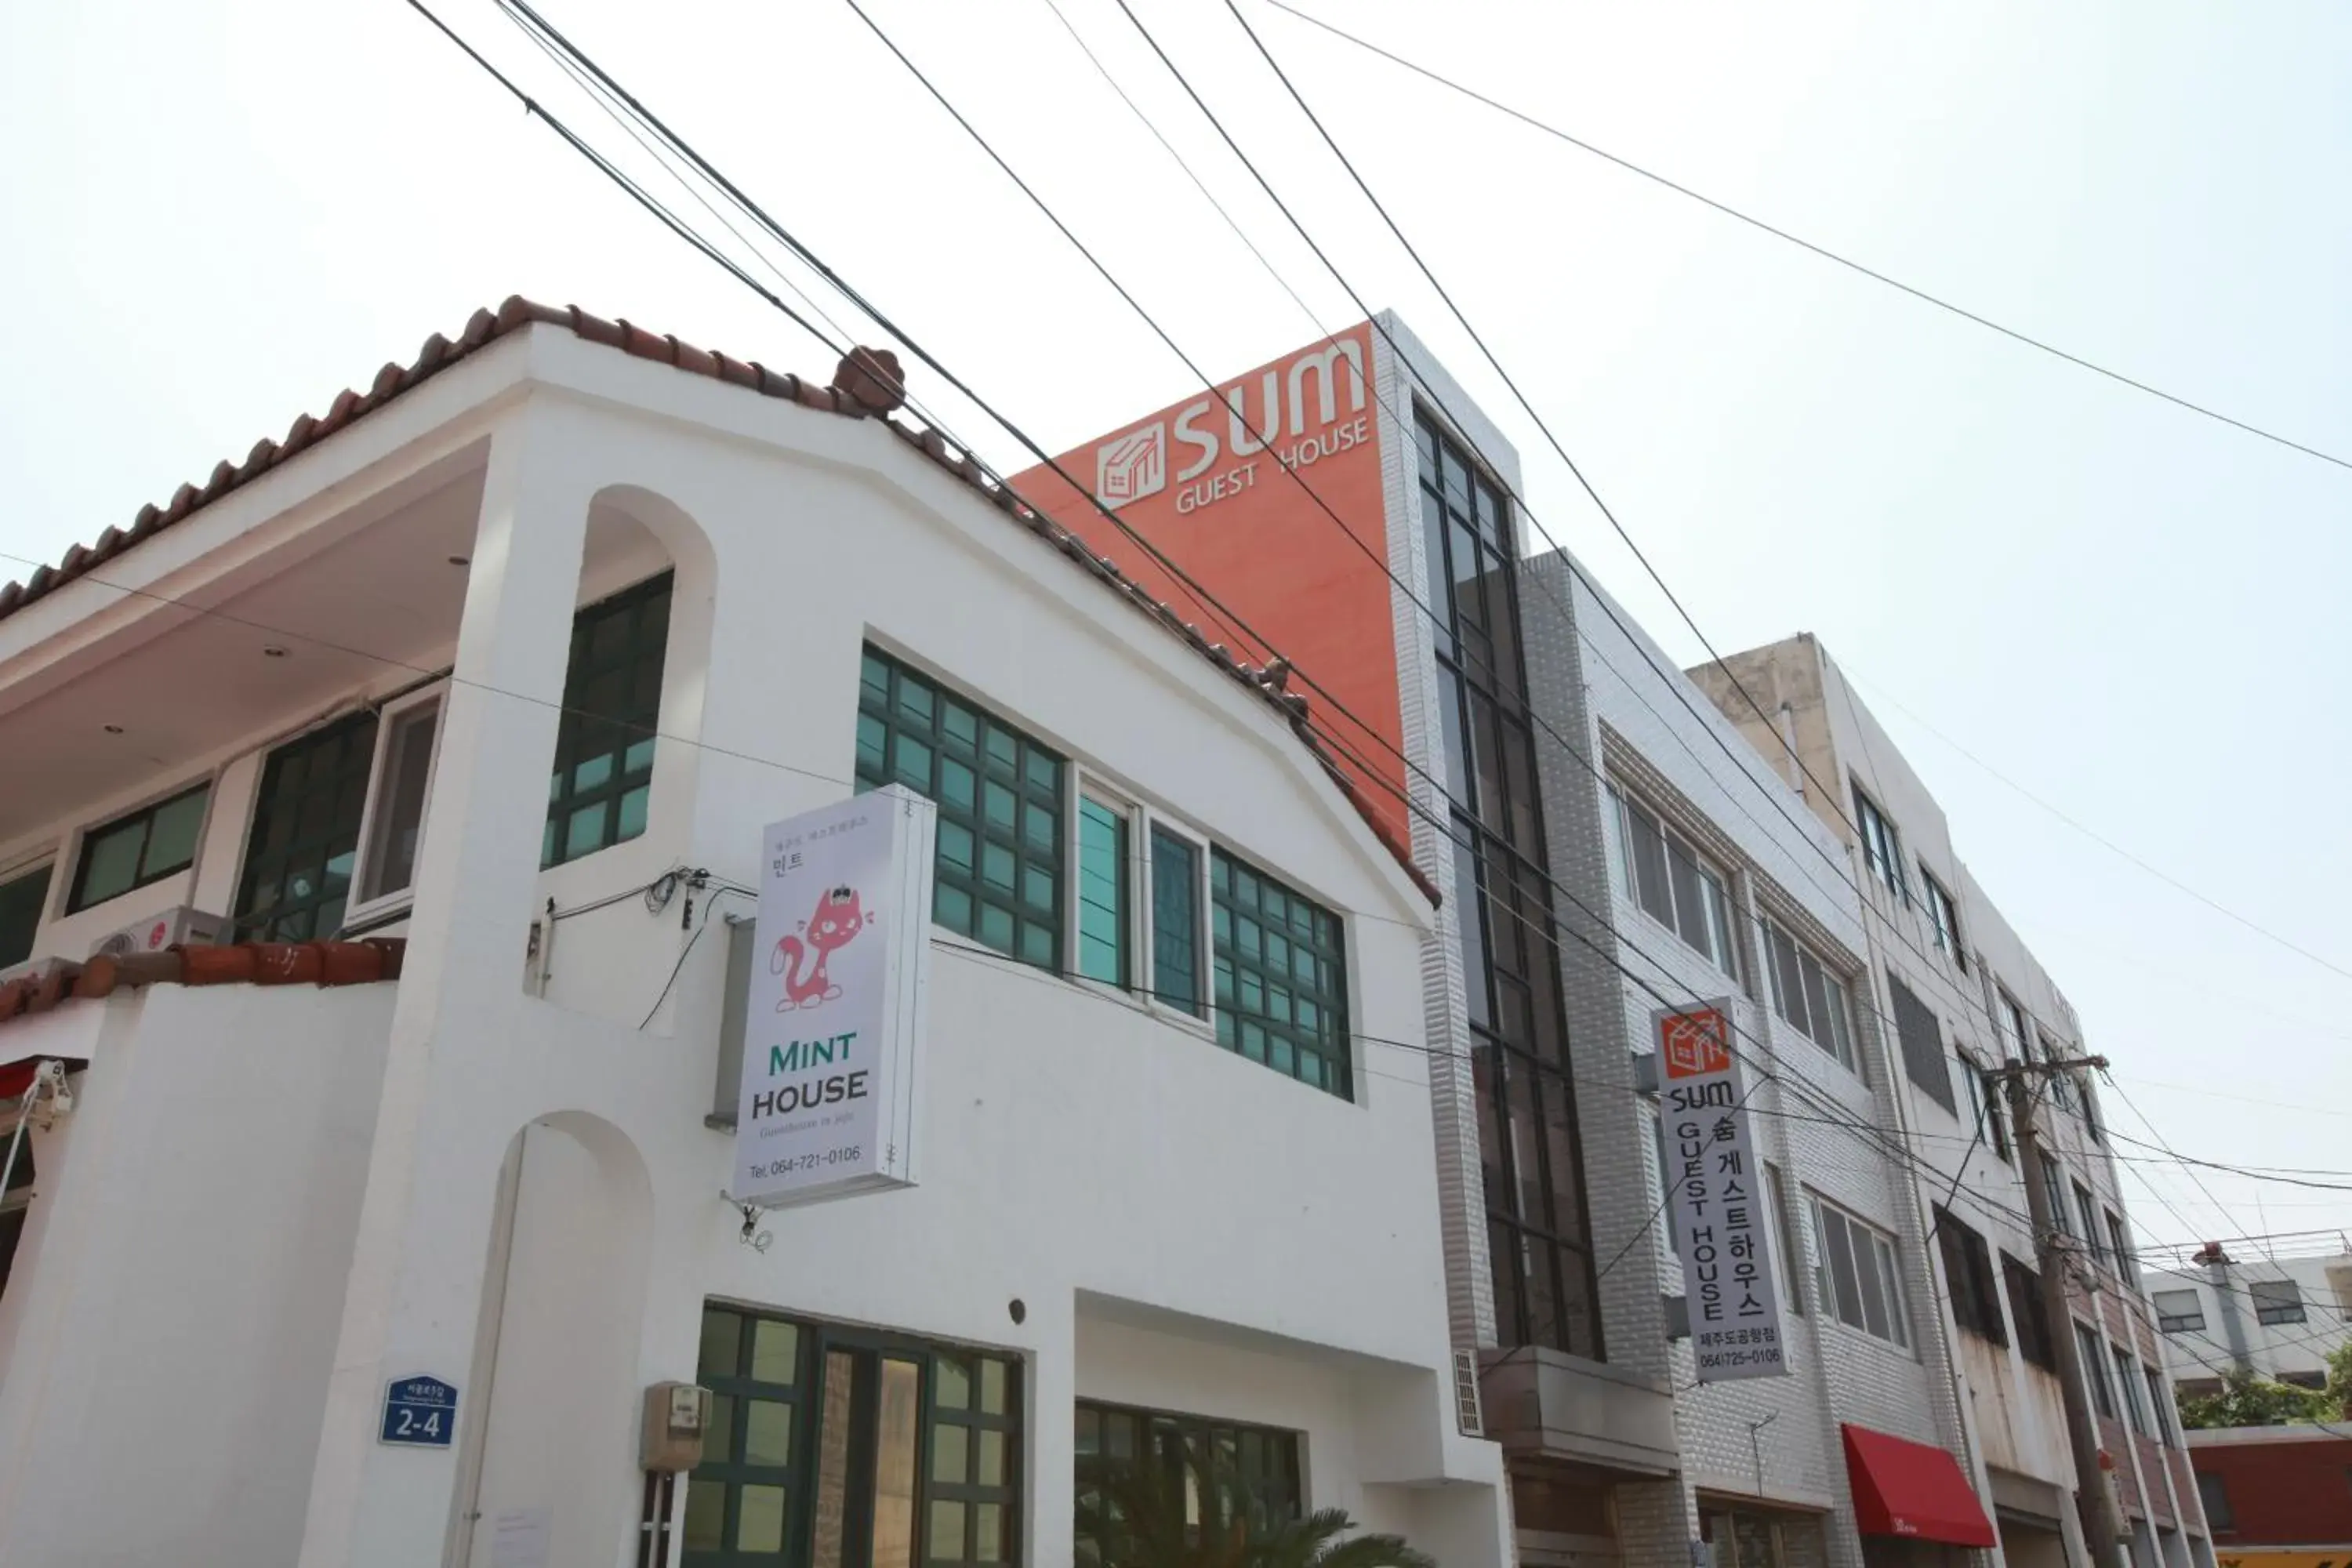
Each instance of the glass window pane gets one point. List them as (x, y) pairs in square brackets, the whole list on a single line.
[(612, 701), (1837, 1242), (1102, 892), (719, 1442), (768, 1433), (722, 1339), (775, 1350), (950, 1453), (706, 1515), (953, 1380), (1175, 921), (946, 1543), (987, 1532), (1650, 864), (897, 1428), (992, 1383), (760, 1519), (172, 841), (110, 863), (1690, 910), (400, 802), (991, 1471), (22, 900)]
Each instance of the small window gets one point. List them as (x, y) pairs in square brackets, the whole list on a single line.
[(1986, 1112), (1673, 883), (145, 846), (2215, 1495), (1809, 995), (2030, 1313), (2094, 1371), (2277, 1301), (1968, 1275), (999, 793), (1281, 976), (1102, 891), (306, 833), (2179, 1311), (1784, 1232), (1175, 921), (1921, 1035), (1857, 1277), (2159, 1405), (603, 782), (2128, 1386), (1944, 915), (23, 896), (1882, 851)]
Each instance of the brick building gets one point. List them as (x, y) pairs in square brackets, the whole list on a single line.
[(2278, 1497)]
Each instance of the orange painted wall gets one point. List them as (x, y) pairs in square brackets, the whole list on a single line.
[(1187, 480)]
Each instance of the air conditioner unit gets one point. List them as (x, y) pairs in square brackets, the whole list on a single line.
[(178, 926)]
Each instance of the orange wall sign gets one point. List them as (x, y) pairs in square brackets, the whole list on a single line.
[(1205, 481)]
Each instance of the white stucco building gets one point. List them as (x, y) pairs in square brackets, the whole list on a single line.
[(462, 708), (2274, 1305)]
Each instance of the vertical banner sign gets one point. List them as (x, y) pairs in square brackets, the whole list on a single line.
[(1719, 1199), (832, 1036)]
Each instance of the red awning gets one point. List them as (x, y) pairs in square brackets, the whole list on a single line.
[(1902, 1488)]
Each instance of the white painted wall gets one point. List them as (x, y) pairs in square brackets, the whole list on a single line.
[(1079, 1147)]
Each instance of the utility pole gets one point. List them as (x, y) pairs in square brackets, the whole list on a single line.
[(2102, 1530)]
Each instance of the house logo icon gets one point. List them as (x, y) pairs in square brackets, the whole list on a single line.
[(1697, 1044), (1133, 466)]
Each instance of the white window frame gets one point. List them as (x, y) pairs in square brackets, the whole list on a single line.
[(1885, 1261), (1785, 1244), (386, 905), (1143, 988), (1621, 799), (1843, 1047)]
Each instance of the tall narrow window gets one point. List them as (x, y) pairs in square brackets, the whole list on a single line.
[(1945, 917), (2159, 1405), (2127, 1388), (306, 833), (2027, 1311), (2094, 1371), (1784, 1241), (1175, 921), (144, 847), (604, 740), (403, 777), (1921, 1036), (2090, 1214), (1882, 847), (999, 793), (1102, 891), (22, 899), (1281, 976)]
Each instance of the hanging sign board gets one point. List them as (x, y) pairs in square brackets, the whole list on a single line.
[(1719, 1198), (833, 1039)]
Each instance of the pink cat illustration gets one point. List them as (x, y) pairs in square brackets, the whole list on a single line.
[(837, 918)]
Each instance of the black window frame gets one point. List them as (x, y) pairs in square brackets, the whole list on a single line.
[(21, 921), (146, 875), (1968, 1276), (2279, 1311), (2095, 1369), (918, 743), (2036, 1345), (626, 732), (1275, 1484), (2179, 1322), (1944, 917), (2159, 1405), (816, 1344), (1539, 1233), (1881, 844), (308, 813)]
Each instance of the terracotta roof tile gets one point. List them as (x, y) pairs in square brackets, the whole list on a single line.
[(246, 962), (857, 372)]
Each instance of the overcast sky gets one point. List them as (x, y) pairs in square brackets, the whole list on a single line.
[(220, 214)]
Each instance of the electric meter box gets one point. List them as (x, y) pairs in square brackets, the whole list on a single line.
[(677, 1416)]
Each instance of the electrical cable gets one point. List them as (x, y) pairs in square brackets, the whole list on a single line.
[(1822, 252)]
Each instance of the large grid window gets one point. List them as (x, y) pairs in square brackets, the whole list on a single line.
[(831, 1445), (1540, 1235), (1856, 1276), (22, 899), (306, 834), (1258, 1466), (1882, 846), (1672, 883), (998, 795), (603, 781), (1809, 995), (1281, 976), (143, 847)]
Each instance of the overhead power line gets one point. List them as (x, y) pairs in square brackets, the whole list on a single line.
[(1824, 252)]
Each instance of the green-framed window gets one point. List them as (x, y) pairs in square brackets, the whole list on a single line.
[(306, 833), (142, 847), (831, 1446), (1260, 1465), (1175, 921), (1103, 940), (597, 794), (22, 899), (1000, 806), (1281, 976)]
